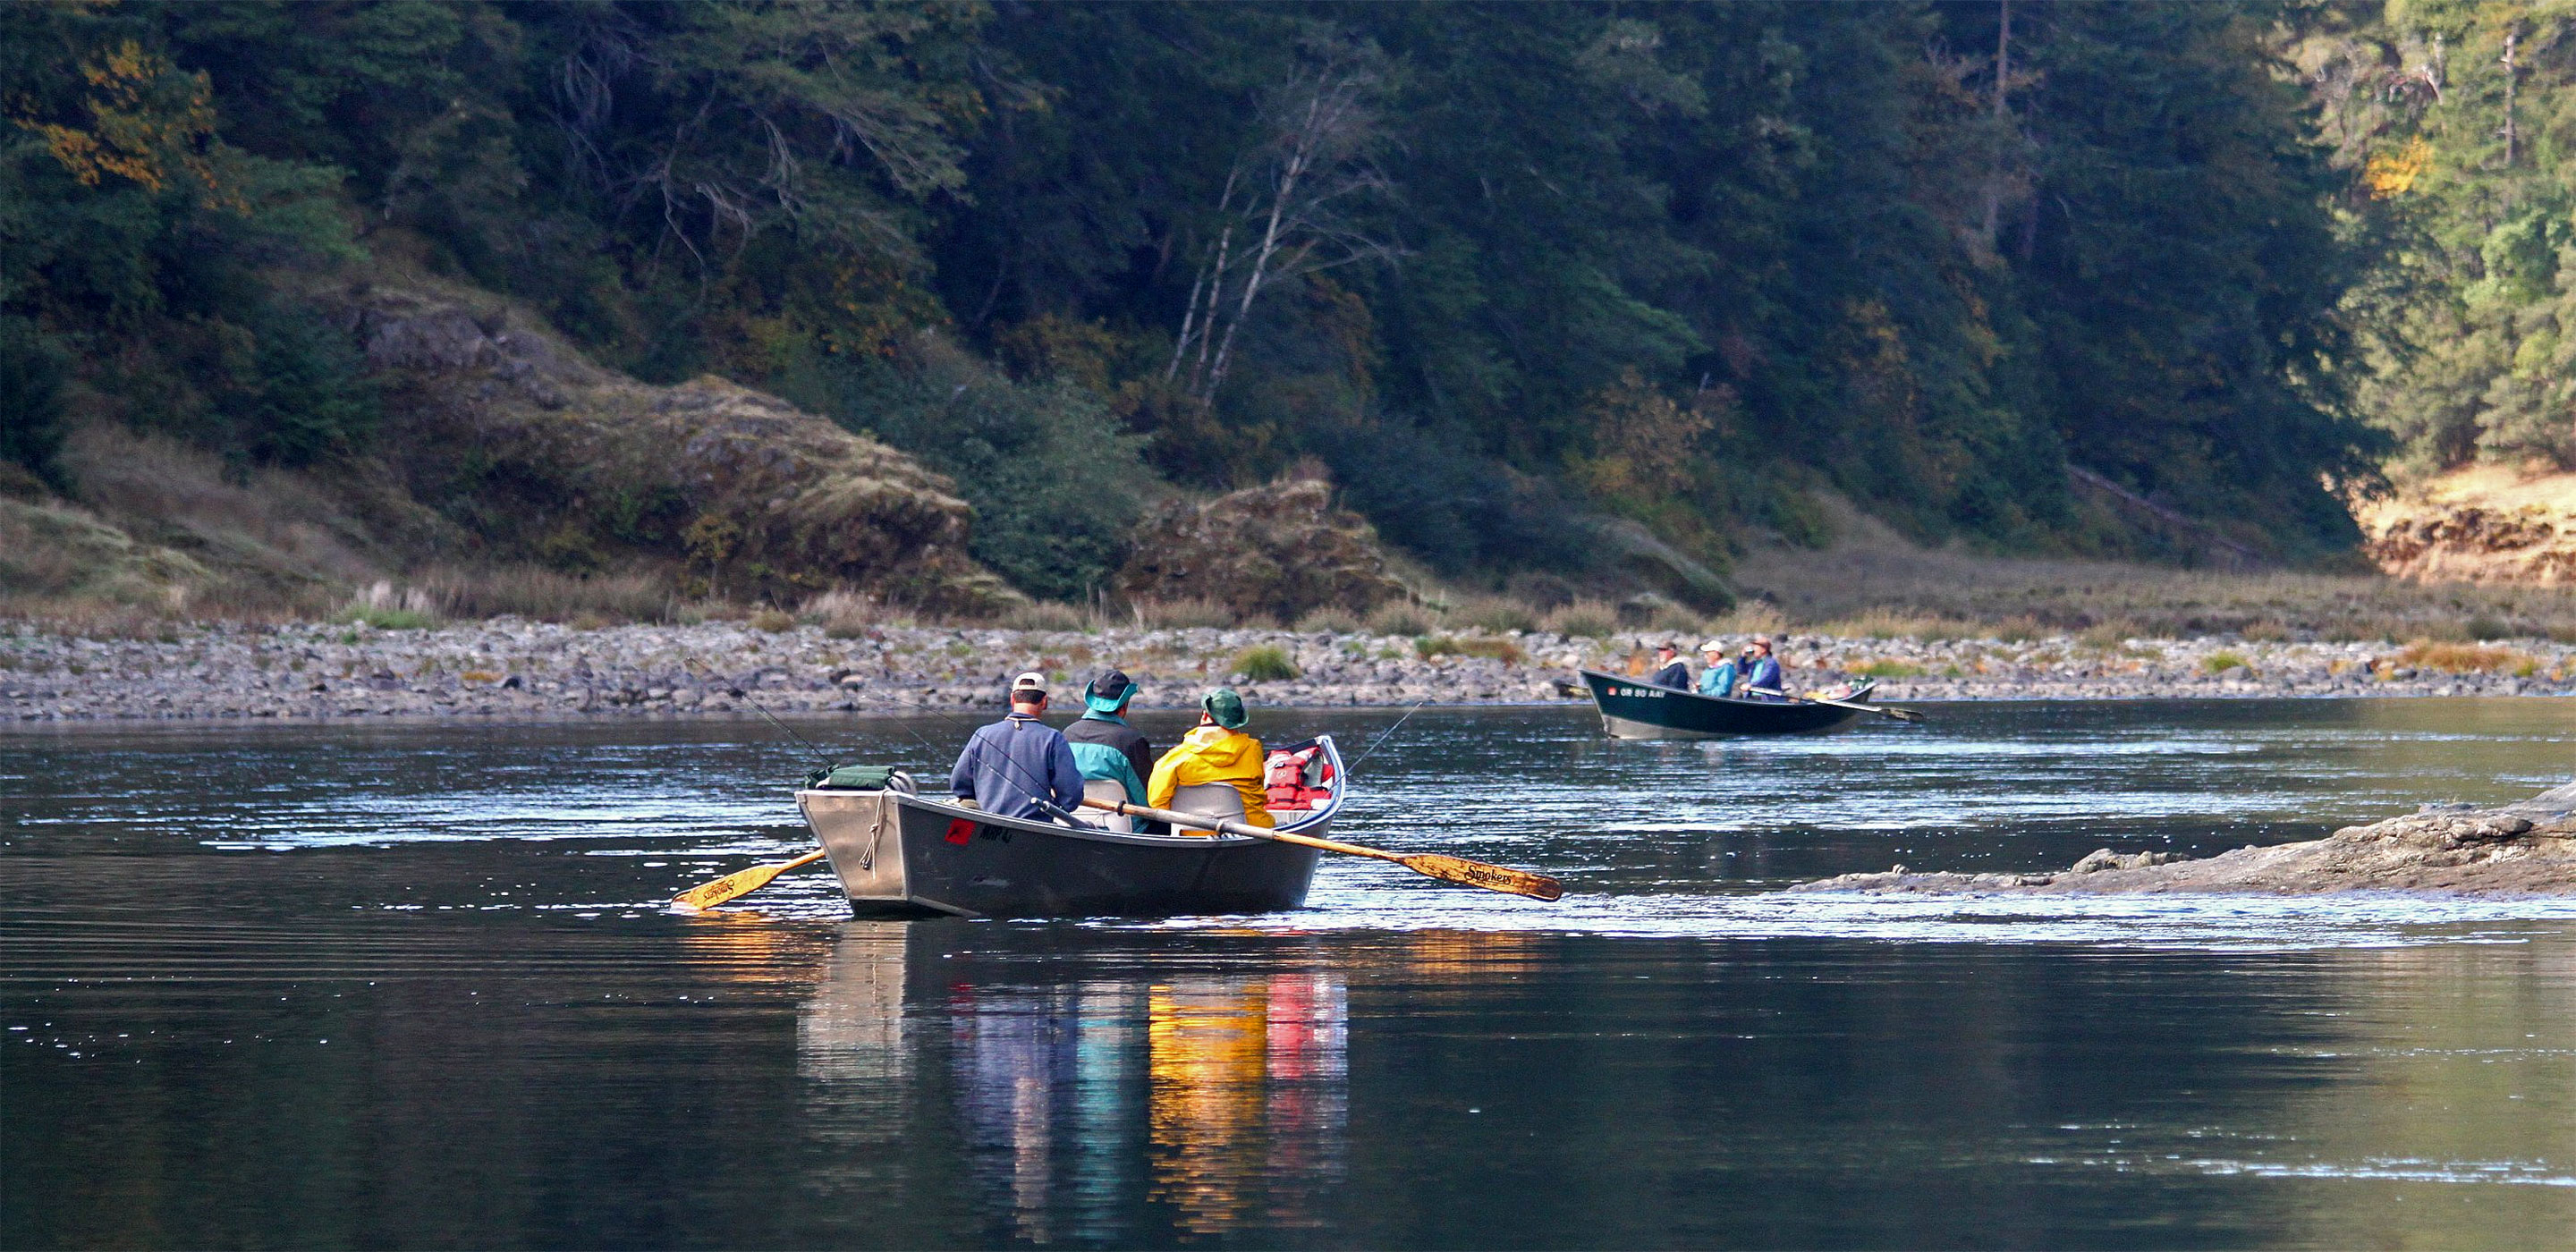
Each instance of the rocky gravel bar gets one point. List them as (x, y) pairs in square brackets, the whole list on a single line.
[(2523, 849), (509, 667)]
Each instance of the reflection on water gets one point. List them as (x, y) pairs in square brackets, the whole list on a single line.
[(1238, 1086)]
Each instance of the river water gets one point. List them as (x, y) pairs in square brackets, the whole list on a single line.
[(413, 985)]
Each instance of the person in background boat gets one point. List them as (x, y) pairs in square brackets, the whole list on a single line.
[(1671, 672), (1217, 752), (1719, 678), (1006, 763), (1762, 673), (1104, 745)]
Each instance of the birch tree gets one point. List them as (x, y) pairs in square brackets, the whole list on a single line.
[(1293, 205)]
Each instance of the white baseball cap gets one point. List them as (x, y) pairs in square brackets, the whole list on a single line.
[(1032, 681), (1713, 645)]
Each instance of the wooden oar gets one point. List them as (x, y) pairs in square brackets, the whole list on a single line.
[(1454, 869), (740, 882), (1902, 715)]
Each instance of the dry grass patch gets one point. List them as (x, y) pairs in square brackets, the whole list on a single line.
[(1498, 614), (1583, 619), (541, 594), (1397, 617), (1503, 650), (1330, 620), (2465, 658), (1182, 614)]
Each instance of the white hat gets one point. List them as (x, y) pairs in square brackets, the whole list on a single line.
[(1713, 645), (1031, 681)]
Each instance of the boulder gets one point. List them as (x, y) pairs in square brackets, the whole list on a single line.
[(542, 455), (1280, 550)]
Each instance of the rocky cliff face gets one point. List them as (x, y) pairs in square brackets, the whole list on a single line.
[(1281, 550), (2485, 524), (540, 455)]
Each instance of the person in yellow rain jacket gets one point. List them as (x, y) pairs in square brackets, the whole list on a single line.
[(1217, 752)]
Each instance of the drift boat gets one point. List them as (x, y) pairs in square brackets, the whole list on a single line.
[(899, 852), (1632, 709)]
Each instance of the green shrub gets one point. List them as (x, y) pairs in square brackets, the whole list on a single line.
[(2487, 628), (385, 619), (2221, 661), (31, 380), (1888, 669), (1053, 476), (773, 621), (1264, 663)]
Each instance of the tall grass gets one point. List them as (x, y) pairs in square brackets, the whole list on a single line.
[(1182, 614), (540, 594)]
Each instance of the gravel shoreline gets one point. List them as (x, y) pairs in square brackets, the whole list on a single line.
[(508, 667)]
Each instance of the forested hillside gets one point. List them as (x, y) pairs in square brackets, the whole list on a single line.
[(1487, 264)]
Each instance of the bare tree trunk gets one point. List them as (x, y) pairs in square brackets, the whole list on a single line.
[(2512, 34), (1287, 189), (2003, 118), (1211, 279)]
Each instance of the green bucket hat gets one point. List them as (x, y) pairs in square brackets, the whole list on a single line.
[(1226, 707)]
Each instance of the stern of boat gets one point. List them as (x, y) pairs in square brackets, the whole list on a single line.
[(861, 833)]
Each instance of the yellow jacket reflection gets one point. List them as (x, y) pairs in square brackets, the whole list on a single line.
[(1213, 754)]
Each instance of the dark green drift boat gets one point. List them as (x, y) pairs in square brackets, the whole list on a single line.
[(900, 852), (1631, 709)]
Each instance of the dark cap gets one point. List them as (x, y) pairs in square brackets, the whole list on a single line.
[(1108, 691)]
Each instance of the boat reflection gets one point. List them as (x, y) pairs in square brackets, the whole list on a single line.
[(1091, 1095)]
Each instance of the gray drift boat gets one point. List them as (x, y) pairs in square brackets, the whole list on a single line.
[(897, 851), (1634, 709)]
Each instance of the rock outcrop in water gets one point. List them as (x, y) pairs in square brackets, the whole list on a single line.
[(2522, 849)]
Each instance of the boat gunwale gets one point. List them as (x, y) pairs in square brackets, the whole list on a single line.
[(1860, 689), (1322, 813)]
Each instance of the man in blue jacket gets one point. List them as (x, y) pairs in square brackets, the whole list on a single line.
[(1762, 673), (1016, 765)]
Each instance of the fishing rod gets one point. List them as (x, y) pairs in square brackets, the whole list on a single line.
[(1383, 734), (763, 710)]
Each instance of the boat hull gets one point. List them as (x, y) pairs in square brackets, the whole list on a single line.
[(901, 853), (1631, 709)]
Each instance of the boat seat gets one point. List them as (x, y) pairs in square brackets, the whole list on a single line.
[(1219, 800), (1106, 789)]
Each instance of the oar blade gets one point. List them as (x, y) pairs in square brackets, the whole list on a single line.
[(1902, 715), (1468, 873), (731, 886)]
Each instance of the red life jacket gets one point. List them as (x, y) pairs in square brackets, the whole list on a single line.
[(1285, 773)]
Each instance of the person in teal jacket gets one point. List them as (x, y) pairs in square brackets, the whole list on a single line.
[(1104, 745), (1719, 678)]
